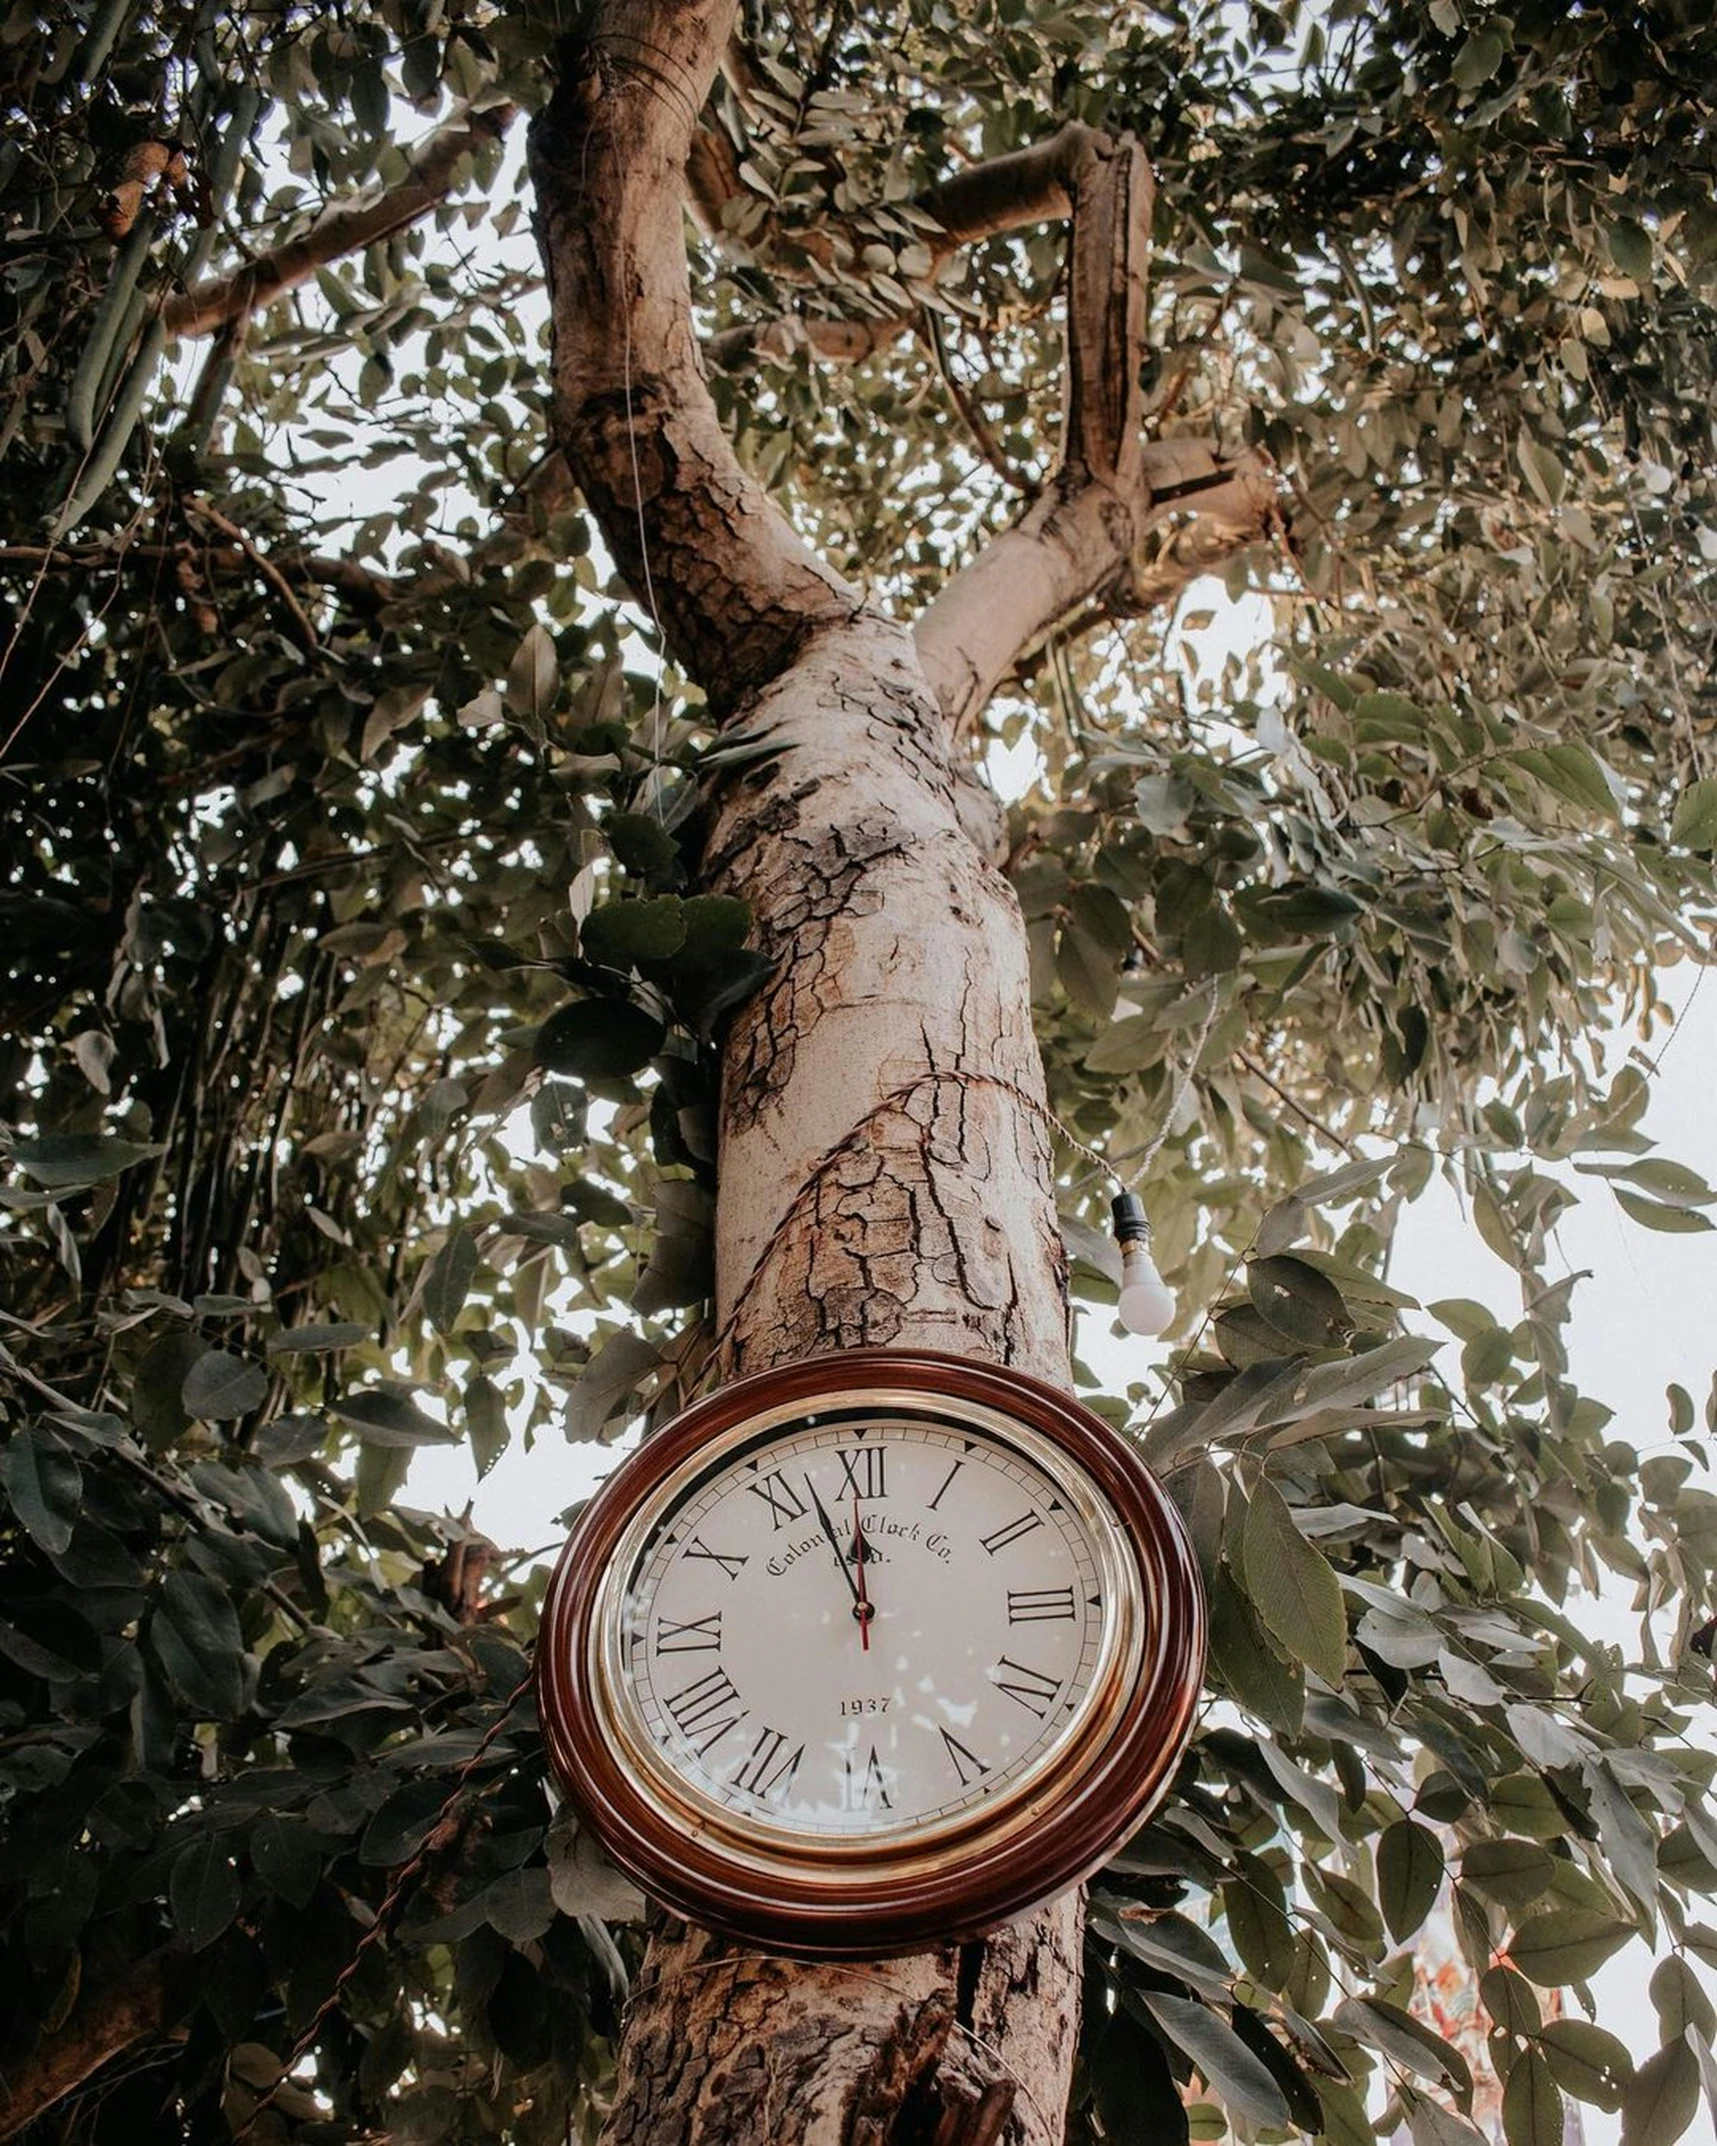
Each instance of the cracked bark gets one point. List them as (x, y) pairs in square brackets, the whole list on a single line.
[(884, 1176)]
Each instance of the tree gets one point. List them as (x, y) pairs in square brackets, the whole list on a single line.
[(622, 774)]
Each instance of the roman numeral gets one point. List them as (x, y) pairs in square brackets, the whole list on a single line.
[(862, 1473), (1039, 1605), (701, 1635), (766, 1772), (1028, 1686), (783, 1505), (860, 1794), (730, 1565), (695, 1709), (1012, 1532), (946, 1480), (962, 1759)]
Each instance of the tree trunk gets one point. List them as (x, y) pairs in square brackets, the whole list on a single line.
[(884, 1180)]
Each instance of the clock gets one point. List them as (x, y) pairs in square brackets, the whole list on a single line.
[(871, 1653)]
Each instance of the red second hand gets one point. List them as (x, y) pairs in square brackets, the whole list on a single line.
[(858, 1561)]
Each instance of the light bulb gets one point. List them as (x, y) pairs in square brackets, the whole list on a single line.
[(1146, 1303)]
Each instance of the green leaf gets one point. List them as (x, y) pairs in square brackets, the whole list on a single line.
[(1587, 2061), (1242, 2079), (219, 1386), (286, 1857), (1679, 2000), (391, 1419), (1630, 248), (1478, 59), (1531, 2103), (642, 844), (533, 676), (1662, 2098), (1300, 1303), (485, 1422), (519, 1905), (1673, 1221), (599, 1039), (681, 1268), (627, 934), (1256, 1677), (617, 1368), (1512, 1872), (1433, 2125), (66, 1162), (1409, 1875), (1695, 823), (203, 1891), (45, 1485), (318, 1340), (1387, 2027), (1566, 1945), (1293, 1587), (193, 1631), (447, 1280)]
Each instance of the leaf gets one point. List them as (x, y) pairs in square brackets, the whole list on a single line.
[(318, 1340), (1566, 1945), (486, 1423), (1679, 2000), (1662, 2098), (193, 1631), (533, 676), (617, 1368), (1587, 2061), (519, 1905), (681, 1267), (219, 1386), (599, 1039), (1242, 2079), (66, 1162), (1386, 2027), (1630, 248), (1248, 1665), (1695, 823), (1299, 1302), (1409, 1875), (203, 1891), (1293, 1587), (287, 1857), (447, 1279), (1531, 2103), (1512, 1872), (1478, 59), (582, 1881), (1684, 1221), (390, 1419), (626, 934), (1433, 2125), (45, 1485)]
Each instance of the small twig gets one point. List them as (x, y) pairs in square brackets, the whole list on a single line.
[(305, 633)]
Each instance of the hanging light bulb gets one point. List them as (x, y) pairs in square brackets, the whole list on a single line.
[(1146, 1303)]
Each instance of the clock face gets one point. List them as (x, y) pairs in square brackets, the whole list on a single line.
[(863, 1621), (871, 1653)]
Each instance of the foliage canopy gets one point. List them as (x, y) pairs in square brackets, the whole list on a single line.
[(340, 835)]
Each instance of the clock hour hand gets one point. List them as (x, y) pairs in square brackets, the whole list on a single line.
[(861, 1607)]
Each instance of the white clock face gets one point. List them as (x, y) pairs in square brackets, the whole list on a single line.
[(863, 1622)]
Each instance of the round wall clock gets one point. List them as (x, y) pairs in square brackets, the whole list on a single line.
[(871, 1653)]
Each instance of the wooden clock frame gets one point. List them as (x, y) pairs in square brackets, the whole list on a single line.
[(861, 1899)]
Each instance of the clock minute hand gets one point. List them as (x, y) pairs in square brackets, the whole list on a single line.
[(861, 1608)]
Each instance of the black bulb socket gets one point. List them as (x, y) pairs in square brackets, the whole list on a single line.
[(1128, 1212)]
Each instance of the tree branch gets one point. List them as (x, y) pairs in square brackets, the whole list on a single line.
[(342, 230), (104, 2023), (734, 589), (1084, 540), (1083, 536)]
